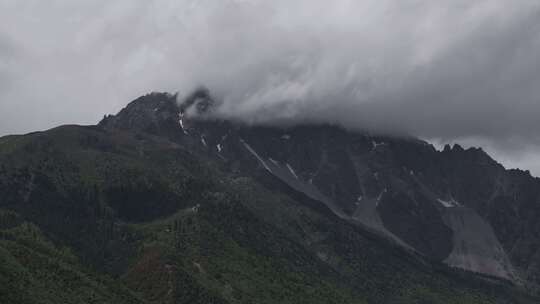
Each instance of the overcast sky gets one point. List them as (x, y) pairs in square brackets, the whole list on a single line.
[(456, 70)]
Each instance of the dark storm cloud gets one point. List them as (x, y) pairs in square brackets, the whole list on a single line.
[(444, 70)]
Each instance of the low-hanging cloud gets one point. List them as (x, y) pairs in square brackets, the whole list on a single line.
[(447, 70)]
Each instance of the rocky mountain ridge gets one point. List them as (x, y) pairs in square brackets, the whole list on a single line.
[(443, 204), (160, 203)]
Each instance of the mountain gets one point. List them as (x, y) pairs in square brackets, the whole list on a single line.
[(162, 203)]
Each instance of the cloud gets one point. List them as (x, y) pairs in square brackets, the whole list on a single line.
[(447, 70)]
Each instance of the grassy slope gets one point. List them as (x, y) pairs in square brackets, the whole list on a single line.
[(100, 220)]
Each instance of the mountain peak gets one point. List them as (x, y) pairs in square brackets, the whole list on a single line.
[(146, 113), (154, 179)]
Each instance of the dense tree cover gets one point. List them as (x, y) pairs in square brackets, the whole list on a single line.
[(89, 215)]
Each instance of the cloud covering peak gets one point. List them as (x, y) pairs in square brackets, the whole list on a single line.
[(447, 70)]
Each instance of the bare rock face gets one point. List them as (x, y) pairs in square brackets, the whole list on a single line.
[(475, 246)]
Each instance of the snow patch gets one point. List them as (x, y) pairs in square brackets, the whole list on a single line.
[(449, 203), (250, 149), (274, 162), (181, 122), (219, 148), (375, 144), (359, 200), (292, 171), (203, 141), (286, 137), (380, 196)]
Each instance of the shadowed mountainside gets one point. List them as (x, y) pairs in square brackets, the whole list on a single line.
[(155, 206)]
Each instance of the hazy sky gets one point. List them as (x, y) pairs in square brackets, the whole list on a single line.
[(456, 70)]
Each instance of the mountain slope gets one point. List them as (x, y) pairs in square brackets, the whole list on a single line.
[(154, 206), (401, 187)]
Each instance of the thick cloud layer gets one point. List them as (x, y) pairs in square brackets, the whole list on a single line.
[(445, 70)]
